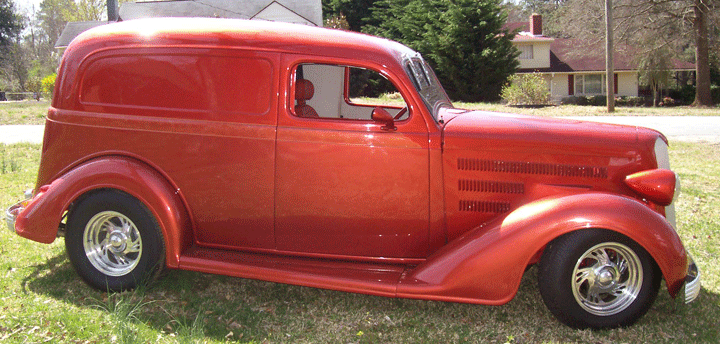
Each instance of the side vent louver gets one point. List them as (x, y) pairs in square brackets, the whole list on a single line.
[(490, 187), (469, 164), (484, 207)]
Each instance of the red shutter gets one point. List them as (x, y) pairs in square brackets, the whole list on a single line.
[(571, 84), (616, 84)]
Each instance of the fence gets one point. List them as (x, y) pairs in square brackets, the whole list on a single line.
[(5, 96)]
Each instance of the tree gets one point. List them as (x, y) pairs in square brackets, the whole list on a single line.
[(86, 10), (53, 16), (651, 25), (655, 71), (357, 13), (11, 23), (463, 40)]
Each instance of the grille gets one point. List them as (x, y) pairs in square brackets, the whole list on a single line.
[(491, 187), (469, 164)]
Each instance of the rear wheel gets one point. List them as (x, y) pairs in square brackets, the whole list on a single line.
[(114, 241), (596, 278)]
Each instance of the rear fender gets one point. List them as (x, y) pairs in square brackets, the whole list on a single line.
[(486, 264), (41, 219)]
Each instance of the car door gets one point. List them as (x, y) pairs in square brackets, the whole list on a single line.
[(347, 185)]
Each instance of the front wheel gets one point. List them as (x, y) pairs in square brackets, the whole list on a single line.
[(595, 278), (114, 241)]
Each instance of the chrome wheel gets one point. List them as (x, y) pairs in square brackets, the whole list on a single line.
[(607, 279), (112, 243)]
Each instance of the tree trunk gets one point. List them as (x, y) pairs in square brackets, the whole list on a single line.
[(702, 60), (655, 87)]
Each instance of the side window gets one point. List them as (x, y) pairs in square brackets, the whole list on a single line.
[(344, 92)]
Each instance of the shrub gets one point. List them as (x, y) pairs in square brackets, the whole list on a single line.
[(630, 101), (526, 89), (684, 95), (48, 84), (598, 100)]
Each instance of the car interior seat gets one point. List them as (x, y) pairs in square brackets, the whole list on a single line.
[(304, 91)]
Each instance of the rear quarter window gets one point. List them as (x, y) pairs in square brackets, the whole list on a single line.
[(224, 84)]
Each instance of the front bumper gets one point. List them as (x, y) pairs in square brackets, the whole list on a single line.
[(12, 213), (692, 282)]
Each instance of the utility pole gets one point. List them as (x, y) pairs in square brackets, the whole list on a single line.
[(112, 10), (609, 50)]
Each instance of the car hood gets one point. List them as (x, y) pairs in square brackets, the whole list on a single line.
[(502, 131)]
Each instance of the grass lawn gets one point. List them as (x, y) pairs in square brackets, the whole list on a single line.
[(577, 110), (34, 112), (43, 300), (23, 112)]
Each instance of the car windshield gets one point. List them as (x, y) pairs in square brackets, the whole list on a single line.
[(427, 85)]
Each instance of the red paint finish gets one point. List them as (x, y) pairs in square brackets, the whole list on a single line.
[(196, 119), (657, 185)]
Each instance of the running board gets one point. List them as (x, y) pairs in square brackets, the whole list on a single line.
[(364, 278)]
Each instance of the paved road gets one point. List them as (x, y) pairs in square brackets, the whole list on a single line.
[(676, 128), (21, 133)]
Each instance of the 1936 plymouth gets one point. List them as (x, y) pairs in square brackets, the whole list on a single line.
[(241, 148)]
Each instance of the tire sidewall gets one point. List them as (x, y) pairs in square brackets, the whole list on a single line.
[(555, 280), (151, 259)]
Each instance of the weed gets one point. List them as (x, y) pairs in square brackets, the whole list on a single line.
[(123, 310)]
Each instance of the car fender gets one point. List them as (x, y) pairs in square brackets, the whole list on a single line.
[(486, 264), (41, 219)]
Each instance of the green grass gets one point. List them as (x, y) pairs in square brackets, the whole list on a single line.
[(560, 111), (43, 300), (34, 112), (23, 112), (577, 110)]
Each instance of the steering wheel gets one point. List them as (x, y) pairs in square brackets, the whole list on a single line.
[(401, 113)]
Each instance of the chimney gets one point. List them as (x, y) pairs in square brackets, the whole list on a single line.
[(536, 24)]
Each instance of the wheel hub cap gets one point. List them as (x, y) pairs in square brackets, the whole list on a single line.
[(112, 243), (607, 278)]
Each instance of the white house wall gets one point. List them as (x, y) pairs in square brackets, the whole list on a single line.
[(541, 56), (559, 86), (627, 84), (276, 12)]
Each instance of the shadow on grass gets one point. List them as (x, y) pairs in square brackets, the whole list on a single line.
[(219, 308)]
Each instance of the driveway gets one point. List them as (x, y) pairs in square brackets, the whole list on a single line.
[(21, 133), (676, 128)]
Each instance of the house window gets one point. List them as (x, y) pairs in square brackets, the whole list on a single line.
[(590, 84), (594, 84), (526, 52)]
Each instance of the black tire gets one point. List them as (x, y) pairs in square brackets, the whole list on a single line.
[(598, 279), (114, 242)]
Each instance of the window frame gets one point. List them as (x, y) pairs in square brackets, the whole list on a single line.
[(345, 94)]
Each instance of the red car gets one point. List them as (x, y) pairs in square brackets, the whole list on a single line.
[(245, 148)]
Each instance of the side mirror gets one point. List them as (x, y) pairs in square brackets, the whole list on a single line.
[(382, 116)]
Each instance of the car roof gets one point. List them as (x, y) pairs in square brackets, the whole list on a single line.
[(257, 34)]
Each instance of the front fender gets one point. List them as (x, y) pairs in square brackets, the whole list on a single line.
[(41, 219), (486, 264)]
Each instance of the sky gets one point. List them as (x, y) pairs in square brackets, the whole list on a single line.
[(27, 4)]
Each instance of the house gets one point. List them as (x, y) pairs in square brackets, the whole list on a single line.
[(574, 69), (308, 12)]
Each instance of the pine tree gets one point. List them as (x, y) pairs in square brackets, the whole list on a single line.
[(463, 40)]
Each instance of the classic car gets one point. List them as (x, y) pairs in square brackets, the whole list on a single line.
[(246, 149)]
